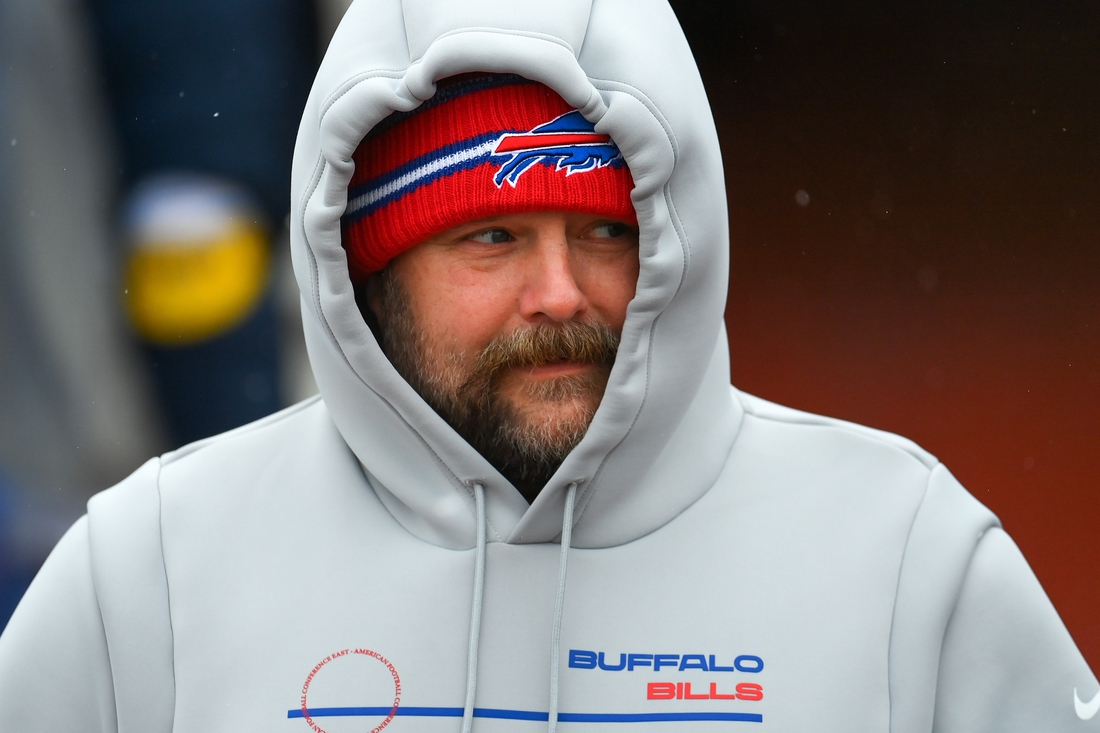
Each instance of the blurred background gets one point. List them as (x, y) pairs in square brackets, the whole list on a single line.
[(146, 299), (915, 240), (914, 198)]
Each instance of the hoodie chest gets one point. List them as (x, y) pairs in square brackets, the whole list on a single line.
[(695, 627)]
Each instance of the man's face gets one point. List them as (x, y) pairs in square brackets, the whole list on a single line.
[(508, 328)]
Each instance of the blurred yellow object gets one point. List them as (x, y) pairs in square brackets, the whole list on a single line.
[(181, 292)]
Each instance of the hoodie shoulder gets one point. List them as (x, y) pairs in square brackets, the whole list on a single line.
[(974, 643), (770, 411), (292, 456), (246, 440)]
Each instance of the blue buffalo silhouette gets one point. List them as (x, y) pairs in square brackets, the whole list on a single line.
[(584, 150)]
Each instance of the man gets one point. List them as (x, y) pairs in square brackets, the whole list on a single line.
[(502, 312), (496, 518)]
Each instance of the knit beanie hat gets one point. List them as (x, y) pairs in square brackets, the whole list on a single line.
[(484, 145)]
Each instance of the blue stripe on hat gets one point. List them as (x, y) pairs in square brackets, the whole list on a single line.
[(372, 195)]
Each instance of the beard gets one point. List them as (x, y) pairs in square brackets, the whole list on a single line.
[(525, 443)]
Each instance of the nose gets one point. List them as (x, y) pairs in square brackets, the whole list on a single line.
[(551, 292)]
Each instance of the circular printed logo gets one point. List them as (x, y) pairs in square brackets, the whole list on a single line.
[(351, 690)]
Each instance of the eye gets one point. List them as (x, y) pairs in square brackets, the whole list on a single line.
[(610, 230), (491, 236)]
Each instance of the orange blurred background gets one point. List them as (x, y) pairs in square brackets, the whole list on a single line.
[(916, 242)]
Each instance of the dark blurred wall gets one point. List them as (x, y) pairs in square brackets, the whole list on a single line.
[(206, 97), (915, 233), (215, 86)]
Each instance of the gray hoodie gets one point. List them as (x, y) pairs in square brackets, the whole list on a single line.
[(702, 561)]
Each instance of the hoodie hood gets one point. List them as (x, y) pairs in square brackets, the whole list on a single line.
[(668, 418)]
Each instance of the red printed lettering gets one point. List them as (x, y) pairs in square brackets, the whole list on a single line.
[(715, 695), (689, 696), (660, 691), (750, 691)]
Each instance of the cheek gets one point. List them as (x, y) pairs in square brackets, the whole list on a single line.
[(610, 290), (465, 314)]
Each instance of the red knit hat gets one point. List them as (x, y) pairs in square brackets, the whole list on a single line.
[(484, 145)]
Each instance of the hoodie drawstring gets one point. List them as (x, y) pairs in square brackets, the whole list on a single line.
[(479, 594), (475, 611), (559, 606)]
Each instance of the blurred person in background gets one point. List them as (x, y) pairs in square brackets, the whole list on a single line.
[(174, 187), (205, 98), (75, 414)]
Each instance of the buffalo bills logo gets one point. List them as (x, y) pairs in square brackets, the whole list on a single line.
[(570, 141)]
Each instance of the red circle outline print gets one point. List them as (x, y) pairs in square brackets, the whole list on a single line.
[(337, 655)]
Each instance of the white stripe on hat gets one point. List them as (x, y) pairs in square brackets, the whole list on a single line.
[(415, 176)]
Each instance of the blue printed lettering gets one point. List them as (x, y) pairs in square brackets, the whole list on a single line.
[(692, 661), (613, 668), (748, 663), (586, 659), (582, 659), (664, 660), (715, 668)]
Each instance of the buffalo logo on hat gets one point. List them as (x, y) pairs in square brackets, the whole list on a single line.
[(570, 140)]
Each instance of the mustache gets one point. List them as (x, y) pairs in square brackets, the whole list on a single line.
[(585, 342)]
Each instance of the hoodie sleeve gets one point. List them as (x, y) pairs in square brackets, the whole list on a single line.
[(55, 672), (1008, 663), (90, 647), (975, 643)]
